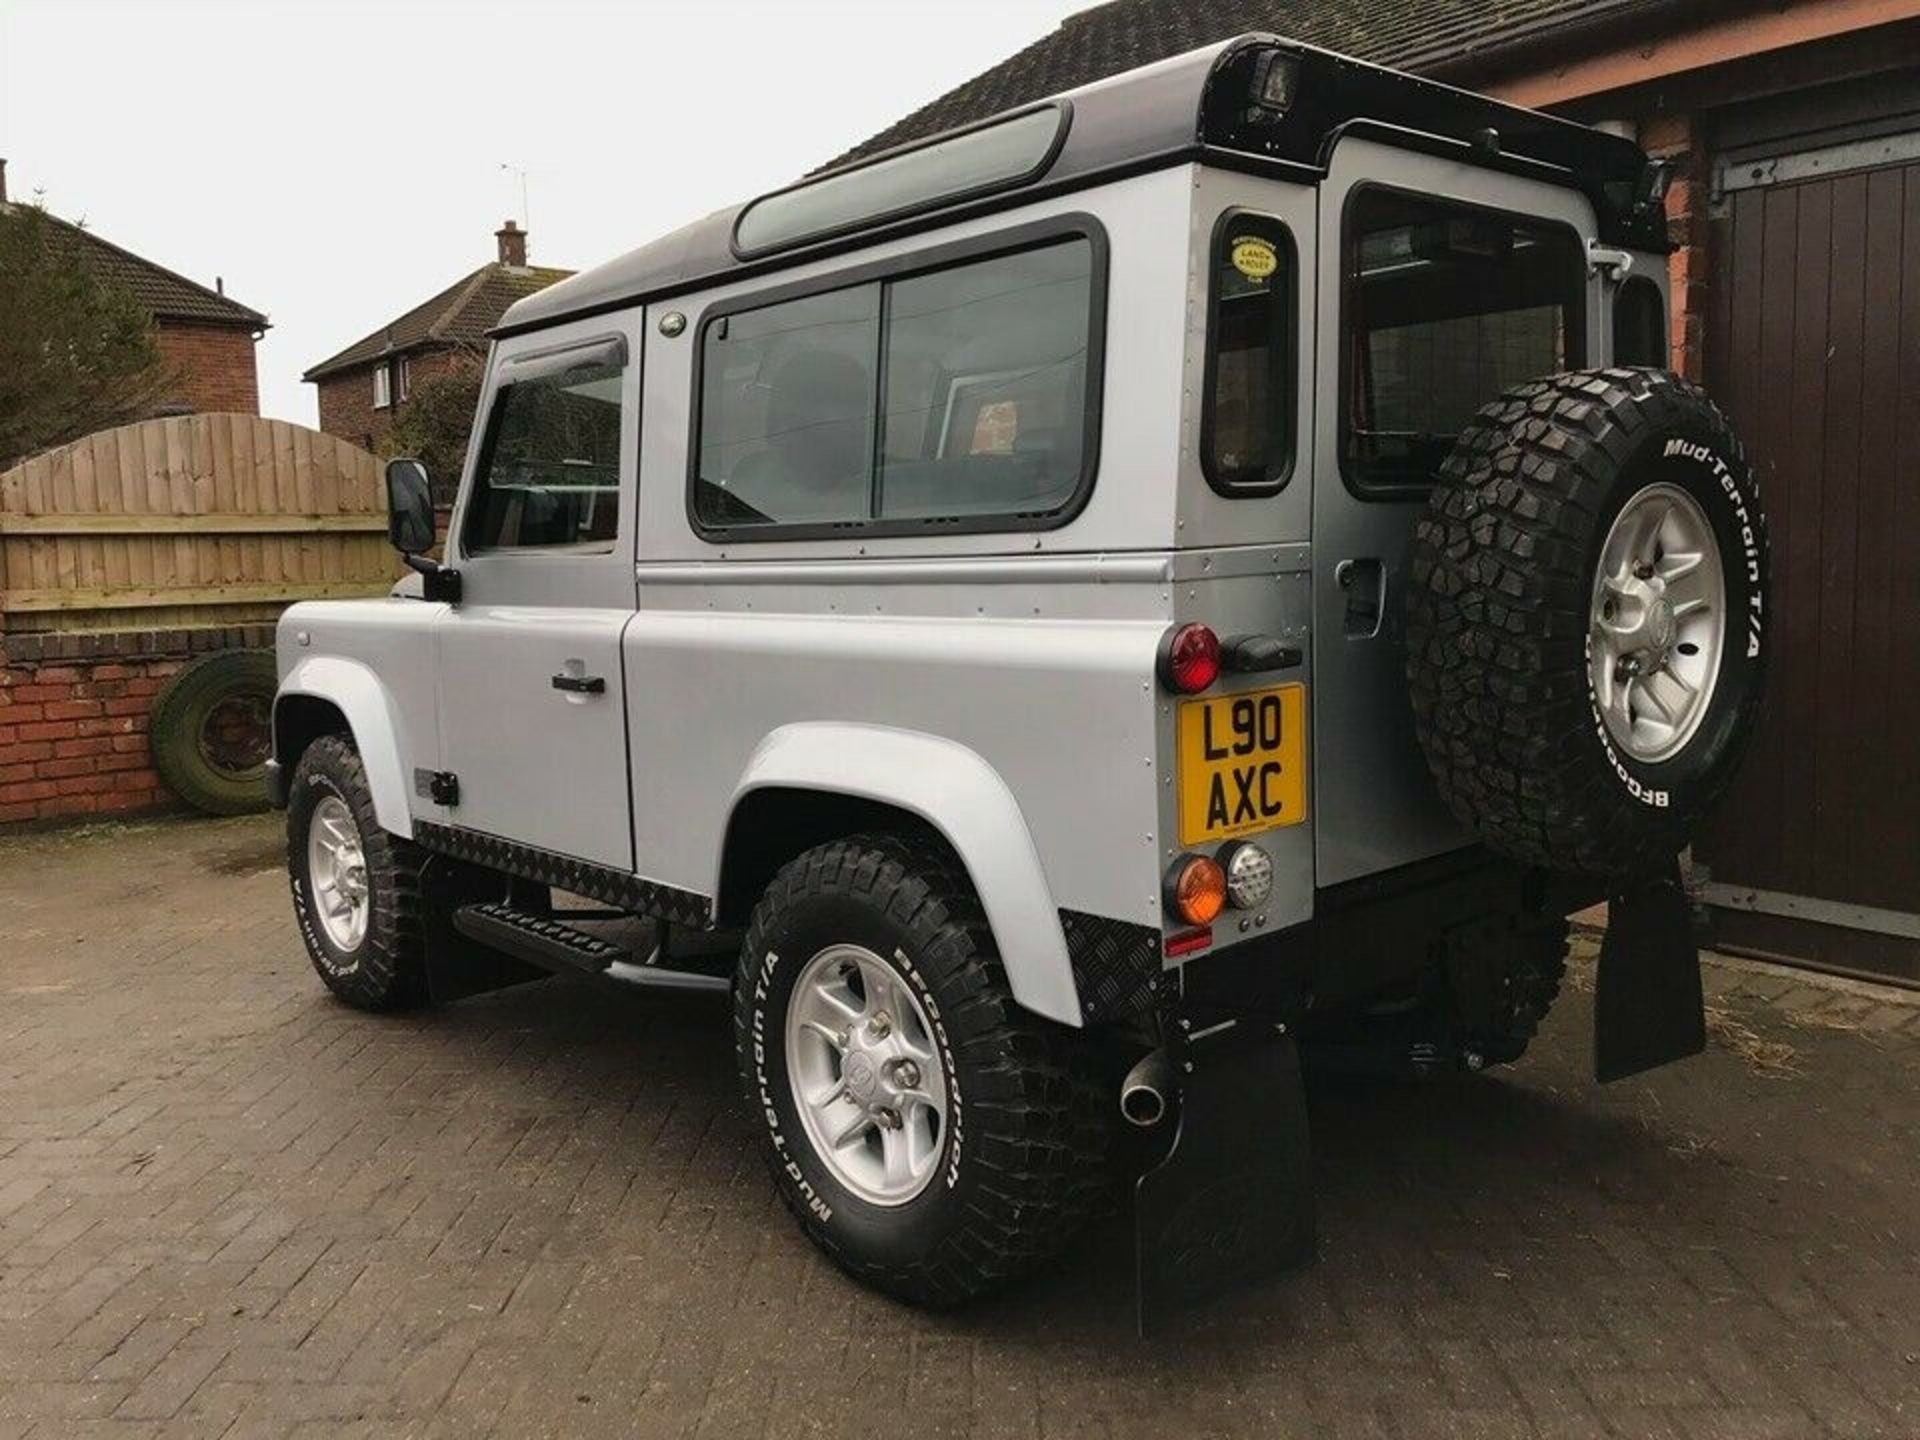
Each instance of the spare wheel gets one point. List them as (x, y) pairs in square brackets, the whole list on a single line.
[(1586, 624)]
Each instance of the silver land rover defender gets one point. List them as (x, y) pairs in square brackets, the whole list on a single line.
[(1062, 621)]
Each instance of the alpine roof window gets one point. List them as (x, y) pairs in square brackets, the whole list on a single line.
[(988, 157)]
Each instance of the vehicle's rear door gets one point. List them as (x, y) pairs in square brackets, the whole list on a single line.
[(532, 695), (1442, 282)]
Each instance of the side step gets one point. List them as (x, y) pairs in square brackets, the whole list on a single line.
[(552, 944)]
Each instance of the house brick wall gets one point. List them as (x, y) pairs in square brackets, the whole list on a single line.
[(346, 399), (216, 365), (73, 718)]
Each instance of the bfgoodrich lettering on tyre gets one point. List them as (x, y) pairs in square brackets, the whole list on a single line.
[(932, 1137)]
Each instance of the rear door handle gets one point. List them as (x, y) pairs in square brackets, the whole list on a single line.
[(580, 684)]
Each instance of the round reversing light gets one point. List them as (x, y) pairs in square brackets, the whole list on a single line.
[(1197, 887), (1249, 876), (1190, 659)]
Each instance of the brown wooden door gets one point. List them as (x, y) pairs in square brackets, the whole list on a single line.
[(1814, 350)]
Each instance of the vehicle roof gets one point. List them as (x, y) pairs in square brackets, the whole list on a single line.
[(1192, 107)]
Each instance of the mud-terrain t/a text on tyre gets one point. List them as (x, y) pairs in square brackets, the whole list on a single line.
[(1064, 625)]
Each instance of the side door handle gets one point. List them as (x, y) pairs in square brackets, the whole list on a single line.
[(580, 684)]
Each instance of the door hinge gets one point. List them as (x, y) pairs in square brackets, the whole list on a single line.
[(440, 786), (1615, 265)]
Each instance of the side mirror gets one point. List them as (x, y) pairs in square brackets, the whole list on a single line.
[(409, 507), (410, 528)]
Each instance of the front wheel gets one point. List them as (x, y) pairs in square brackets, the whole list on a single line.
[(356, 888), (933, 1138)]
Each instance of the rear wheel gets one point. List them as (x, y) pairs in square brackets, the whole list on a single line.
[(356, 888), (929, 1135)]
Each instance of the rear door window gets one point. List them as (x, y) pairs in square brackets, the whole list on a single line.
[(1444, 306)]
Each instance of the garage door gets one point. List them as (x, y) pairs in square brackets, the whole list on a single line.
[(1814, 349)]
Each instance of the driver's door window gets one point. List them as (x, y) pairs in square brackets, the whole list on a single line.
[(550, 472)]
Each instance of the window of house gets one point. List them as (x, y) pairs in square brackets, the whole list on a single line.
[(1640, 324), (1248, 421), (1445, 306), (406, 377), (550, 471), (382, 386), (957, 395)]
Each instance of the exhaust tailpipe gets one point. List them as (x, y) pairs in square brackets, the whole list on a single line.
[(1144, 1094)]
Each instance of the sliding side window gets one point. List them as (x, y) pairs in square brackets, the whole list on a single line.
[(956, 396)]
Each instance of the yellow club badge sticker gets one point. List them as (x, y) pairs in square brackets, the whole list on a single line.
[(1253, 257)]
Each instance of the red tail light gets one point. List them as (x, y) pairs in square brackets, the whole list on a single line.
[(1189, 659)]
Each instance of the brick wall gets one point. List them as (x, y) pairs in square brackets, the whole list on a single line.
[(1677, 137), (216, 364), (73, 718), (346, 399)]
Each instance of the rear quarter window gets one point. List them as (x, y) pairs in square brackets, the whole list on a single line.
[(1247, 424)]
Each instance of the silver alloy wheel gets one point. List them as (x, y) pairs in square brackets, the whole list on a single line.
[(337, 873), (1658, 623), (866, 1074)]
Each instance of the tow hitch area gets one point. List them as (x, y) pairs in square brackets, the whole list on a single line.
[(1232, 1202), (1647, 1006)]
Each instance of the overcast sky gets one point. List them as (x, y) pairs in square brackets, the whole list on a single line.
[(338, 161)]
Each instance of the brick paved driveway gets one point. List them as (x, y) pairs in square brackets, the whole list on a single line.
[(230, 1207)]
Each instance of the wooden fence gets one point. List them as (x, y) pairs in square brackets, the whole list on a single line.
[(197, 520)]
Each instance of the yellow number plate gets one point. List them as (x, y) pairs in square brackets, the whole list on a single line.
[(1243, 763)]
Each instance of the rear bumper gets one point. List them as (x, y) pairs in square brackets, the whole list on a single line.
[(1373, 934)]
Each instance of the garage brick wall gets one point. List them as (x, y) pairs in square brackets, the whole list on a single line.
[(215, 363), (73, 718), (1677, 137)]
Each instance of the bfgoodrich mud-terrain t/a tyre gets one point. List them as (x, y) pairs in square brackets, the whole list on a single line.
[(356, 889), (932, 1137), (1586, 629)]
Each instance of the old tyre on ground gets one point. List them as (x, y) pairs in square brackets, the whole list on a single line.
[(932, 1137), (1586, 632), (356, 888), (209, 730)]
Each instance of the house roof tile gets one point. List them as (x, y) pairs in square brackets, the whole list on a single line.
[(165, 294), (1417, 35), (461, 314)]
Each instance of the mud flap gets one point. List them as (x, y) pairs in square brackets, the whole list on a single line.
[(1232, 1202), (1647, 1005)]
